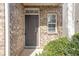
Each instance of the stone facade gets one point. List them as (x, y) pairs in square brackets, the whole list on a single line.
[(44, 35), (2, 29), (17, 27)]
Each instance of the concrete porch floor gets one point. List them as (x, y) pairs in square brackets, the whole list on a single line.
[(30, 52)]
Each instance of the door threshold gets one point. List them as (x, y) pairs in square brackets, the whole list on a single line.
[(31, 47)]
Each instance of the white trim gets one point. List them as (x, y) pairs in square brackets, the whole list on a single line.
[(52, 13), (7, 41), (38, 39), (42, 4), (39, 31), (70, 20), (74, 16), (31, 13), (65, 19)]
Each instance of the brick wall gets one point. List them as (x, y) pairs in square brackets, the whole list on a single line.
[(1, 29)]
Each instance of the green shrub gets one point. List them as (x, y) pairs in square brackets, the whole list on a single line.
[(75, 38), (74, 45), (56, 47), (62, 47)]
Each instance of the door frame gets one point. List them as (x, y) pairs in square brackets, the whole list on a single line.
[(38, 35)]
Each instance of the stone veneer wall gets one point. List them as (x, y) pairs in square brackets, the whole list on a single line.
[(16, 28), (2, 17), (44, 35)]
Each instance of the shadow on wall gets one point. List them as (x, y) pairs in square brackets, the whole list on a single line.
[(27, 52)]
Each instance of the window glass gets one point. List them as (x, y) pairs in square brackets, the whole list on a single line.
[(51, 22), (51, 19)]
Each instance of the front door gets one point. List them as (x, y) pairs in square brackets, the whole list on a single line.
[(31, 30)]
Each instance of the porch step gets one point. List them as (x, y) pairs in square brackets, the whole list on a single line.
[(31, 52)]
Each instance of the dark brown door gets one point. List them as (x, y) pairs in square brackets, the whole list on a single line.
[(31, 30)]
